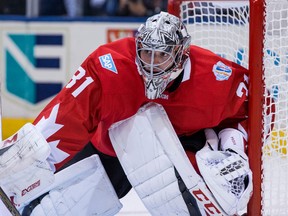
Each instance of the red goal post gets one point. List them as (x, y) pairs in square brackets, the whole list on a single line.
[(254, 34)]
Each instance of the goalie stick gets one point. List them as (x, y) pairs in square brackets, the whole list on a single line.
[(8, 204), (3, 197)]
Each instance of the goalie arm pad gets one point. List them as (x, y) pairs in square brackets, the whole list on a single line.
[(80, 189), (226, 172)]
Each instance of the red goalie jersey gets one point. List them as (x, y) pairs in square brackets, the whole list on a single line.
[(210, 92)]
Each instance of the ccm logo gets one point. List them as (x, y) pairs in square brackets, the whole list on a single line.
[(31, 187), (210, 208)]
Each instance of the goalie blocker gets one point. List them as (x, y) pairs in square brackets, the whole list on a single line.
[(25, 175)]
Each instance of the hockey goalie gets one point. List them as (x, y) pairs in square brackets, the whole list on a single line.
[(150, 112), (153, 160)]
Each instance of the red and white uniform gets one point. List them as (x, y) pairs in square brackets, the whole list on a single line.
[(108, 88)]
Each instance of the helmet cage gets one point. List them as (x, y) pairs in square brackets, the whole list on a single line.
[(154, 69)]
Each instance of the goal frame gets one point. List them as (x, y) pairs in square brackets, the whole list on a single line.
[(256, 90)]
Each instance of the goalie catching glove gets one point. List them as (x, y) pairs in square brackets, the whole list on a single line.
[(224, 167)]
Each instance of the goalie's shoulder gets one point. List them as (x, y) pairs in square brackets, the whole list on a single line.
[(115, 67), (120, 50), (207, 58), (196, 50), (114, 59)]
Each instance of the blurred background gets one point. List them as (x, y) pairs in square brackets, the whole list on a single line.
[(42, 44), (80, 8)]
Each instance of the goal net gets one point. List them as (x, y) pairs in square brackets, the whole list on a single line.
[(255, 35)]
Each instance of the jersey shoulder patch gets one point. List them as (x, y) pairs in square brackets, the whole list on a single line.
[(108, 63), (222, 71)]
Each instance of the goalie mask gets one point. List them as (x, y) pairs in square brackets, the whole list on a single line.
[(162, 46)]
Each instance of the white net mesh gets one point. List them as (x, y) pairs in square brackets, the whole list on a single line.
[(220, 27), (223, 27), (275, 166)]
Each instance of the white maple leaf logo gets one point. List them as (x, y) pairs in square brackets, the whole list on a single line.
[(48, 127)]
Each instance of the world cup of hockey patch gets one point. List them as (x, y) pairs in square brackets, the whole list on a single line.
[(107, 62), (221, 71)]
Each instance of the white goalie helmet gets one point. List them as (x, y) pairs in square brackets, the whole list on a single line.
[(162, 46)]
